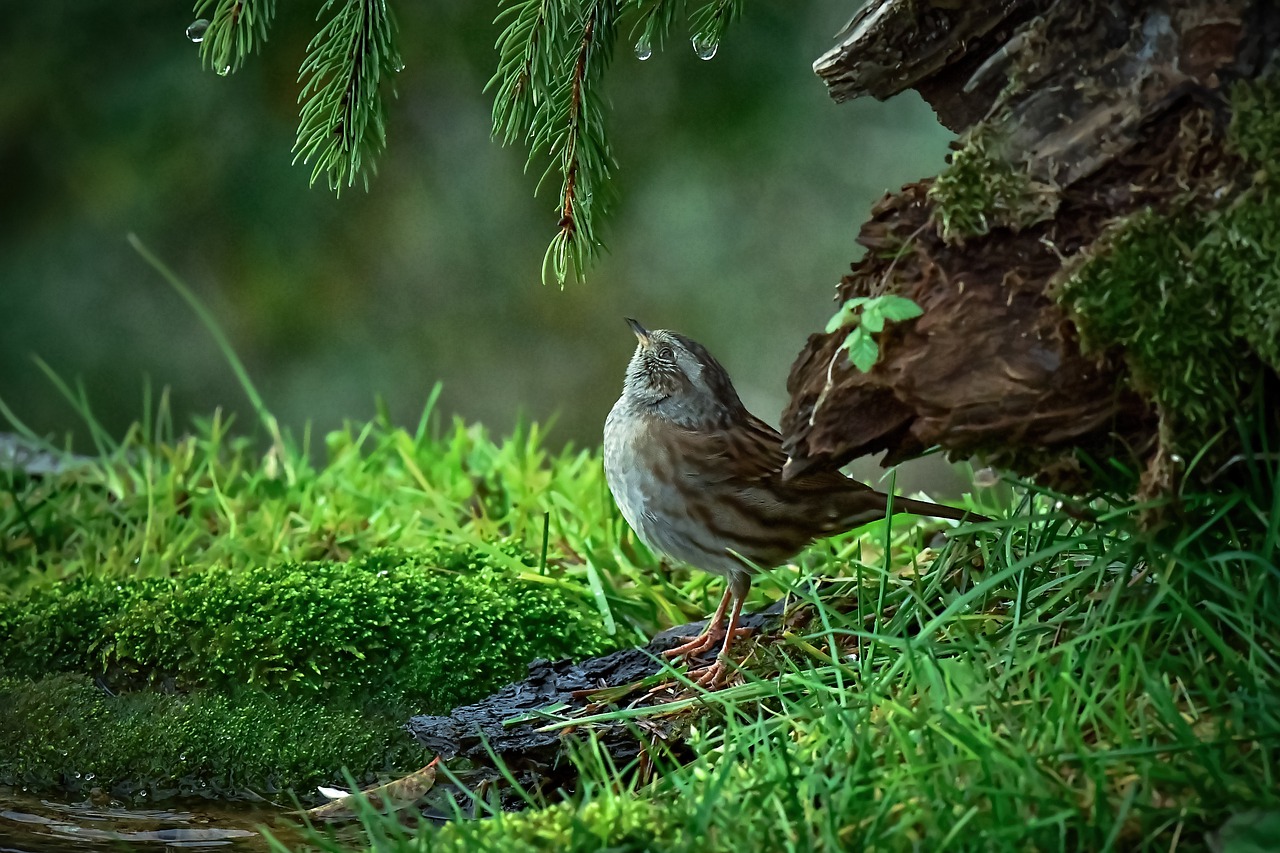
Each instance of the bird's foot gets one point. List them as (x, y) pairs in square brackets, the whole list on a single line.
[(709, 677), (703, 643), (694, 645)]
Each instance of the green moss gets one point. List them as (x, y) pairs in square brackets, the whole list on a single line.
[(1193, 297), (439, 628), (64, 732), (1255, 121), (1144, 293), (609, 823), (981, 190), (200, 568), (1245, 251)]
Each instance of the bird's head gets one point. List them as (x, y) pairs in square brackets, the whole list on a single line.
[(681, 380)]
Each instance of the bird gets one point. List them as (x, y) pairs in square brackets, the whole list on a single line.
[(700, 480)]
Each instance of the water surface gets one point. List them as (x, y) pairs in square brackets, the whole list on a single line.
[(34, 824)]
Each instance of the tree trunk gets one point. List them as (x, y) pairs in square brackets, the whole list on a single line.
[(1098, 263)]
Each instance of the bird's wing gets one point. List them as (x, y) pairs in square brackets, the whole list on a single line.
[(811, 482), (751, 451)]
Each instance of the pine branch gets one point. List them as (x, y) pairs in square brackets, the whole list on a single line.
[(233, 30), (525, 65), (342, 125), (577, 136), (552, 55)]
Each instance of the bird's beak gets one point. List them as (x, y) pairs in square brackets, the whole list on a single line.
[(642, 335)]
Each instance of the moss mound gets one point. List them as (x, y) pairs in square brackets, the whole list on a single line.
[(65, 732), (1194, 298), (440, 628), (265, 679), (981, 190)]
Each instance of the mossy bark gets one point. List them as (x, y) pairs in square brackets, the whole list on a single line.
[(1097, 266)]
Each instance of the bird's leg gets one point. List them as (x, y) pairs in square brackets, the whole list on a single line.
[(711, 676), (709, 636)]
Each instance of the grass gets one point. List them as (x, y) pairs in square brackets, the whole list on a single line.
[(1038, 682), (198, 562), (1048, 684), (1044, 683)]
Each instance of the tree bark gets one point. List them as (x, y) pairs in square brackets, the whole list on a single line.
[(1077, 117)]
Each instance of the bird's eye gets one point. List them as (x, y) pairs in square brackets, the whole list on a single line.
[(666, 354)]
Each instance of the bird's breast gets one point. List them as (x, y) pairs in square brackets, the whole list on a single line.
[(631, 460), (679, 503)]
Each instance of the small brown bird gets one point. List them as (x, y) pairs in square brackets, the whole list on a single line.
[(699, 479)]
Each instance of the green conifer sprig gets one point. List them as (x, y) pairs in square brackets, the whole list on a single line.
[(342, 126), (572, 132), (656, 19), (235, 29), (708, 25), (526, 66), (552, 55)]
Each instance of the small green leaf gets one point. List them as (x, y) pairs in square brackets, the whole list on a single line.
[(872, 319), (848, 313), (863, 350), (899, 308), (838, 319)]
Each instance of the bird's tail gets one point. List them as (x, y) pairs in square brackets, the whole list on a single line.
[(865, 506), (934, 510)]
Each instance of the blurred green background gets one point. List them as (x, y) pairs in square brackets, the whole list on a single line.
[(742, 189)]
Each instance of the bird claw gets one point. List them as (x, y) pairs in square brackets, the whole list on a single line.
[(702, 643), (709, 677), (694, 645)]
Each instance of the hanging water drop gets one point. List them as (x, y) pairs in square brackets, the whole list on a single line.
[(644, 49), (224, 71), (705, 46), (195, 32)]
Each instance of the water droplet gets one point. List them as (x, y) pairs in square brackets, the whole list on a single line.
[(224, 71), (399, 66), (644, 50), (705, 46), (88, 777), (195, 32)]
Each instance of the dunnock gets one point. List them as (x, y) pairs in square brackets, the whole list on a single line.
[(699, 479)]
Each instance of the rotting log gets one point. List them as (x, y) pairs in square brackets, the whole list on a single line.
[(1081, 121), (518, 724)]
